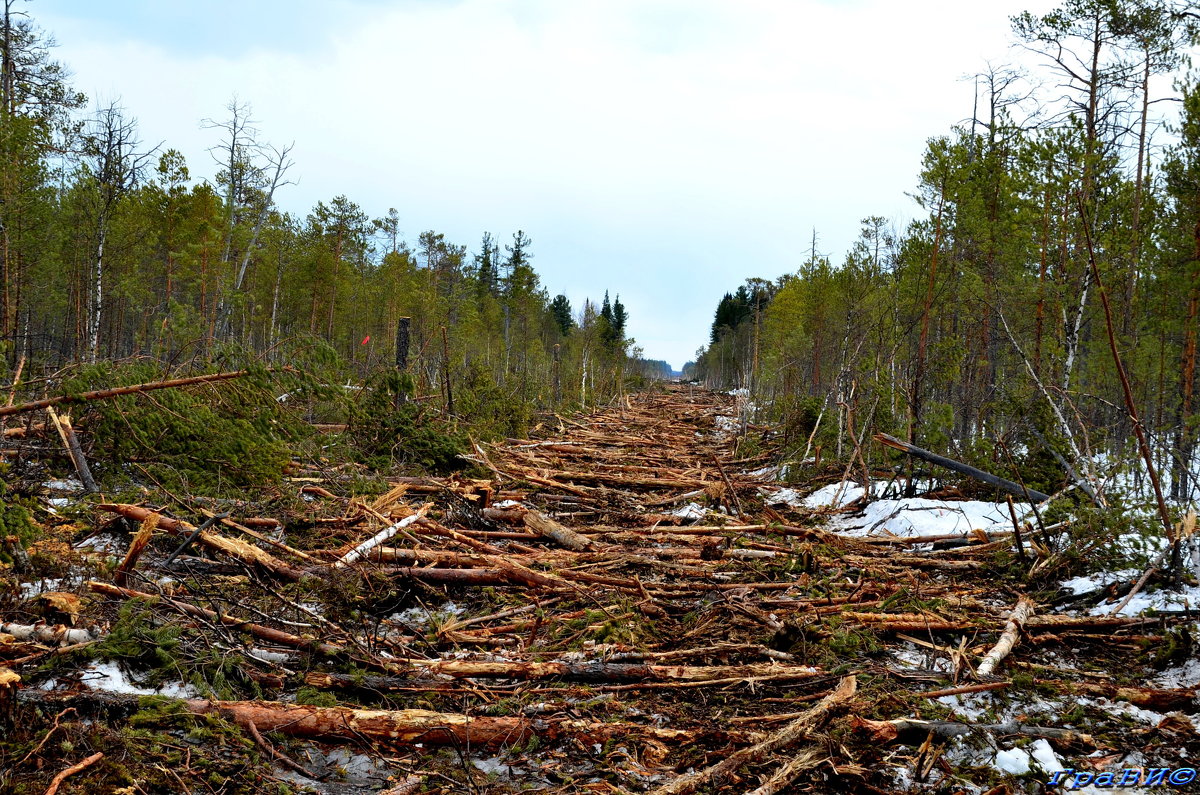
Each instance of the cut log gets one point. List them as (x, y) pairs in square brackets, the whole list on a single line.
[(1012, 632), (42, 633), (963, 469), (563, 536)]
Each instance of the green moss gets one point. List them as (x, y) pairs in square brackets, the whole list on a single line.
[(316, 698)]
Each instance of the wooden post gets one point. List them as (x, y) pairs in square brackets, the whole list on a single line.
[(402, 343), (557, 373), (402, 353), (446, 374)]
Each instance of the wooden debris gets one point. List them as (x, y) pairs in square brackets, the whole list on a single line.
[(79, 767), (962, 469), (1012, 632), (799, 729)]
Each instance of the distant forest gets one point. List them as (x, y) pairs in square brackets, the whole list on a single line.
[(110, 248), (1058, 254)]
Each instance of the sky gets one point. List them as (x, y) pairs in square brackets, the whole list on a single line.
[(663, 150)]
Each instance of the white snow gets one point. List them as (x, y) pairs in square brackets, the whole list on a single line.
[(423, 616), (1161, 599), (835, 495), (108, 677), (1186, 675), (1094, 582), (916, 517), (690, 511), (32, 589), (506, 504), (1014, 761), (784, 497), (1044, 756), (910, 518)]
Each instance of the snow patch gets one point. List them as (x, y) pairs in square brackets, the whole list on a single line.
[(690, 511), (109, 678), (1014, 762), (1162, 599)]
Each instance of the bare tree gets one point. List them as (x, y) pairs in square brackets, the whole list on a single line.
[(114, 165), (252, 171)]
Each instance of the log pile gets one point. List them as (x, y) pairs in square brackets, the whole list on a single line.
[(617, 593)]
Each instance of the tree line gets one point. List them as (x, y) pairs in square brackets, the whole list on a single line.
[(111, 248), (1057, 253)]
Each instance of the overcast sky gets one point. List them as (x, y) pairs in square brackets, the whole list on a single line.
[(661, 149)]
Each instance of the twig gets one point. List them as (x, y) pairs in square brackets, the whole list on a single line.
[(72, 770)]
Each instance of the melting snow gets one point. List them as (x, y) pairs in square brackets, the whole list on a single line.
[(108, 677), (1163, 599), (1094, 582), (690, 511), (1044, 756), (1015, 762)]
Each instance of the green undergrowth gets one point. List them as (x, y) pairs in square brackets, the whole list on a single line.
[(387, 427), (15, 522), (220, 437)]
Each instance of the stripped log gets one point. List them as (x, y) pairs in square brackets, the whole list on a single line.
[(58, 635), (610, 672), (513, 571), (961, 468), (563, 536), (1012, 632)]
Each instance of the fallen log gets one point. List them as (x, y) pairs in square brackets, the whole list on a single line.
[(609, 672), (398, 727), (563, 536), (239, 550), (1012, 631), (885, 731), (42, 633), (795, 731), (74, 450), (105, 394), (963, 469), (916, 622)]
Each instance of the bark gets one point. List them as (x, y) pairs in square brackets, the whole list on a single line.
[(545, 526), (1012, 632), (962, 469)]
